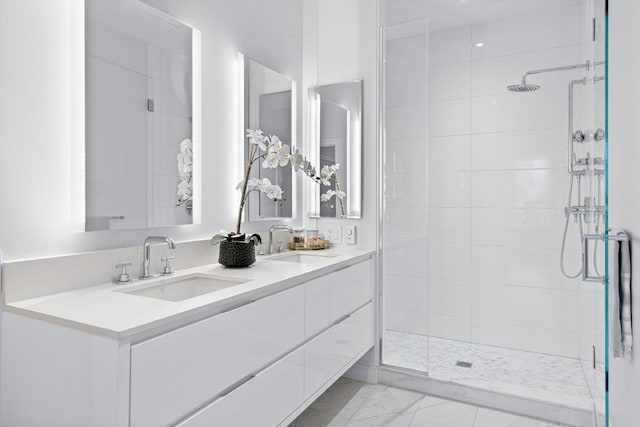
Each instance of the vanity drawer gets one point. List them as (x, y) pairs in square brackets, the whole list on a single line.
[(329, 298), (332, 350), (174, 373), (353, 287), (264, 400)]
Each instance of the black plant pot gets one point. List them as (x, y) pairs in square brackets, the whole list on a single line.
[(236, 253)]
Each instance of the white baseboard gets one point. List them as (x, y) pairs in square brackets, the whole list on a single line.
[(364, 373)]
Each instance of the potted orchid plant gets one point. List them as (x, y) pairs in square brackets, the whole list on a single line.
[(235, 249)]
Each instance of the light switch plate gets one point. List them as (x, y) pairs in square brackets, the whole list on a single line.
[(334, 236), (349, 234)]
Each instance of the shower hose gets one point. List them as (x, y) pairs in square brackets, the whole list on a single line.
[(564, 239)]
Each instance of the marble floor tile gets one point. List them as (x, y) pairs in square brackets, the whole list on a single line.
[(388, 400), (386, 420), (490, 418), (450, 414), (350, 403)]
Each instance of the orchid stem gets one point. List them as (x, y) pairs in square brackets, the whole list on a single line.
[(252, 149)]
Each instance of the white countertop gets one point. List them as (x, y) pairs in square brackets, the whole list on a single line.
[(105, 310)]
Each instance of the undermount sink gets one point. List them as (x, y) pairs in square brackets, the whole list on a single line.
[(182, 288), (303, 258)]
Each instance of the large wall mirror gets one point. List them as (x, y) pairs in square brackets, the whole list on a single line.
[(267, 102), (142, 117), (336, 140)]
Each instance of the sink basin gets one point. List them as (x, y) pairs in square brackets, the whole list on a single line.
[(303, 258), (182, 288)]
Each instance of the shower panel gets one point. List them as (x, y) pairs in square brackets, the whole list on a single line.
[(475, 213), (592, 209)]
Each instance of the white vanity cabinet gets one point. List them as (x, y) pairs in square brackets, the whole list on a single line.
[(264, 400), (257, 364), (343, 301), (174, 373)]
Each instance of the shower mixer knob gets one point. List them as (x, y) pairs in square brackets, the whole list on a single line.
[(598, 135), (578, 136)]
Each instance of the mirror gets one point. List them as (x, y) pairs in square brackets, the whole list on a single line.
[(141, 122), (267, 102), (336, 140)]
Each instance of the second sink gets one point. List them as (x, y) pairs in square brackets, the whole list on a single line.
[(182, 288), (303, 258)]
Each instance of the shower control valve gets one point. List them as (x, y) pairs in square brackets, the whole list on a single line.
[(578, 136)]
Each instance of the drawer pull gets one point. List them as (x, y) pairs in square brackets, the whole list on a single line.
[(236, 385), (343, 268), (341, 319), (235, 307)]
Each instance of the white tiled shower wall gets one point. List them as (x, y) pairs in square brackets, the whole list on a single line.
[(476, 184)]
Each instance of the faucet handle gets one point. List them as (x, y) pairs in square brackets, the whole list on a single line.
[(123, 277), (167, 265)]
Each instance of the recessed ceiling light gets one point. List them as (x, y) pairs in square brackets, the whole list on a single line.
[(479, 44)]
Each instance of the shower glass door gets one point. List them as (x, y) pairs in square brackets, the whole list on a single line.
[(405, 266), (493, 169)]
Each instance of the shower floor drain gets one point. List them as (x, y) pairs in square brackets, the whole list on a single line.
[(463, 364)]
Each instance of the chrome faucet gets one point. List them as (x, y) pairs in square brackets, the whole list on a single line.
[(276, 227), (147, 252)]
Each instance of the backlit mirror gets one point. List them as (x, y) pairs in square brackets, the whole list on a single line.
[(336, 140), (267, 102), (142, 124)]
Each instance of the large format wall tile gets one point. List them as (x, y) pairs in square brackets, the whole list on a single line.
[(525, 149), (538, 188), (449, 153), (449, 46), (528, 32)]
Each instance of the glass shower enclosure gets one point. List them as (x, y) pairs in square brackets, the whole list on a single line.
[(493, 172)]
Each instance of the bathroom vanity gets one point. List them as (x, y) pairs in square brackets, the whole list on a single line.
[(144, 354)]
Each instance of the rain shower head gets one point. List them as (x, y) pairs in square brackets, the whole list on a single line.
[(528, 87), (523, 87)]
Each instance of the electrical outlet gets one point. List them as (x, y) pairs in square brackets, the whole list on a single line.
[(349, 233), (334, 236)]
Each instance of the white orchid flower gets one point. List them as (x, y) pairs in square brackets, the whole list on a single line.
[(271, 161), (274, 192), (257, 183), (256, 137), (284, 154), (327, 196), (297, 160), (341, 194), (185, 171)]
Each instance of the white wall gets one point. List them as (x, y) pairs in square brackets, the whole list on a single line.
[(347, 49), (40, 105), (489, 171), (624, 205)]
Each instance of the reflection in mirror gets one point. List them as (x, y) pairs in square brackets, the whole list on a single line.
[(140, 138), (336, 112), (268, 103)]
